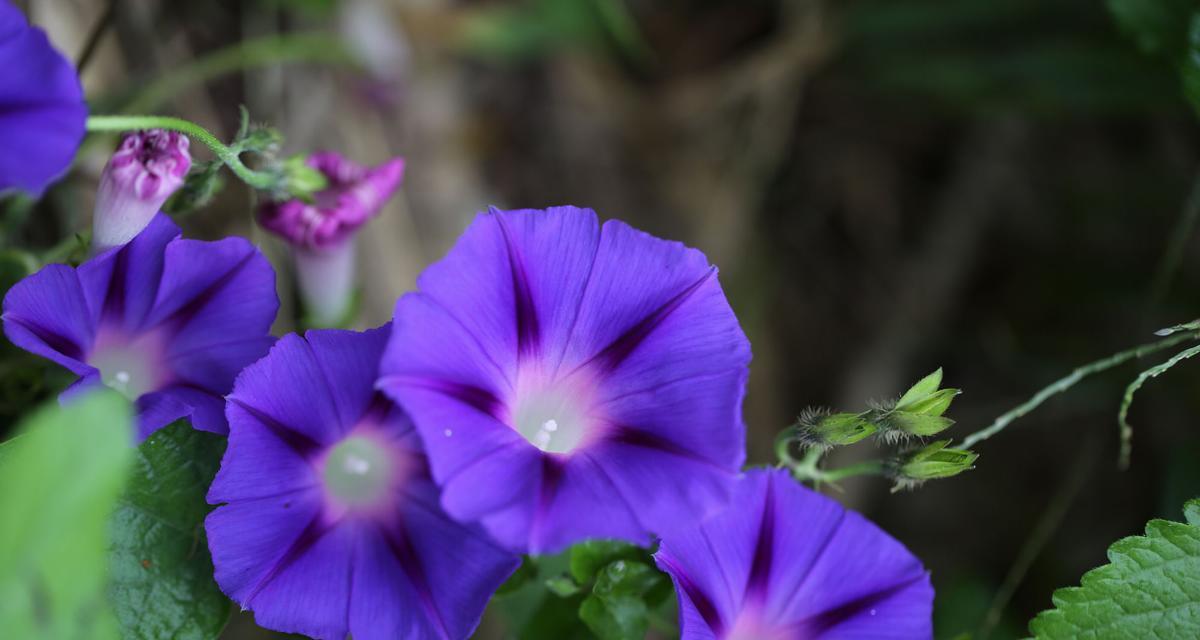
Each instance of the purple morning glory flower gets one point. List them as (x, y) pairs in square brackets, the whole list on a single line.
[(42, 113), (785, 562), (146, 169), (572, 380), (166, 321), (331, 524), (321, 232)]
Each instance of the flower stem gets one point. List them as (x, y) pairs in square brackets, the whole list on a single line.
[(259, 52), (257, 179), (1070, 380)]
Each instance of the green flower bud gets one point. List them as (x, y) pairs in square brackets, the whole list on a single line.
[(841, 429), (301, 180), (918, 424), (931, 462), (934, 404)]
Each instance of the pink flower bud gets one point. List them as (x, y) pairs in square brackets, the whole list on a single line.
[(322, 232), (146, 169)]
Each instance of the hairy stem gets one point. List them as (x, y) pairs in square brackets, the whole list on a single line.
[(1070, 380), (227, 155)]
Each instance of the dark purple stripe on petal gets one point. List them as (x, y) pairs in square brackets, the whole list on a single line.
[(410, 562), (552, 473), (303, 445), (764, 549), (820, 623), (635, 437), (528, 329), (475, 397), (615, 353), (56, 341), (312, 532), (185, 313), (700, 600)]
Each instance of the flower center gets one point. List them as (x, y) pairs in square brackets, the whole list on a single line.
[(358, 472), (551, 419), (751, 625), (132, 367)]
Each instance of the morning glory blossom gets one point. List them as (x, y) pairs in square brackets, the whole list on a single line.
[(168, 322), (784, 562), (572, 380), (330, 524), (42, 113)]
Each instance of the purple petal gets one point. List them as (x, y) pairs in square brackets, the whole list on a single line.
[(157, 410), (278, 557), (48, 314), (42, 112), (795, 562), (446, 571), (262, 460), (127, 279), (350, 362), (289, 388)]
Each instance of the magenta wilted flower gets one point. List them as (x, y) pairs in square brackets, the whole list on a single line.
[(784, 562), (166, 321), (42, 113), (322, 232), (571, 380), (146, 169), (331, 525)]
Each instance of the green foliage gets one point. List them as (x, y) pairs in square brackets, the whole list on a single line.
[(1028, 55), (542, 27), (622, 598), (602, 589), (1169, 29), (1159, 27), (58, 484), (1149, 589), (162, 576)]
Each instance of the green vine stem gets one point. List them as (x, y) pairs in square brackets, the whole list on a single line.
[(1127, 401), (260, 52), (808, 467), (258, 179), (1070, 380)]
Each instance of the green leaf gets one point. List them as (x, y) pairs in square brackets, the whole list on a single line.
[(162, 576), (1149, 589), (58, 483), (922, 388), (563, 586), (589, 557), (621, 599)]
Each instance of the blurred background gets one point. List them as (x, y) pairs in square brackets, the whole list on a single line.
[(887, 186)]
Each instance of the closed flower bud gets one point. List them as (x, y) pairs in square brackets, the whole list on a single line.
[(841, 429), (321, 229), (146, 169), (931, 462)]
